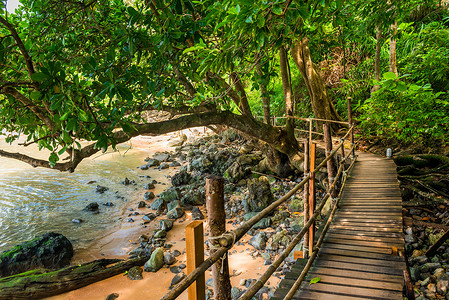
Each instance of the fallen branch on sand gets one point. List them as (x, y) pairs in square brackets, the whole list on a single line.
[(42, 283)]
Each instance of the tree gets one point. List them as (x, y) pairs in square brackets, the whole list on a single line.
[(86, 70)]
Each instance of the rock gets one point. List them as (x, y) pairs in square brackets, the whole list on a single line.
[(279, 239), (108, 204), (135, 273), (414, 274), (165, 224), (193, 197), (161, 156), (259, 241), (170, 194), (130, 220), (176, 279), (296, 205), (175, 164), (144, 167), (128, 181), (158, 234), (156, 261), (149, 217), (50, 250), (141, 204), (163, 166), (148, 196), (77, 221), (175, 269), (262, 224), (297, 224), (169, 258), (197, 214), (176, 253), (91, 207), (236, 172), (429, 267), (182, 266), (259, 195), (153, 162), (175, 213), (181, 178), (443, 284), (409, 239), (101, 189), (149, 186), (174, 204), (229, 135), (235, 292), (112, 296), (157, 204)]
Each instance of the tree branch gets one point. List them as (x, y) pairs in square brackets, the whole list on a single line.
[(33, 107), (26, 56), (274, 136)]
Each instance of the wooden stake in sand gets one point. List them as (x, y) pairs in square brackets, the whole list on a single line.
[(195, 256), (216, 217)]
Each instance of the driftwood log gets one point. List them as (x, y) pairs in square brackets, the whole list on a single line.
[(42, 283)]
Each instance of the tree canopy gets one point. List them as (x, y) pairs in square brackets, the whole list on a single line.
[(83, 70)]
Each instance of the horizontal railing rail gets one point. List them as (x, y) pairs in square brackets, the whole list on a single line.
[(228, 239)]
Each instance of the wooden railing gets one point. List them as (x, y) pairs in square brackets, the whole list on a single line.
[(228, 239)]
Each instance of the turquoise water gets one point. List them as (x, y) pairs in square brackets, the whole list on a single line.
[(37, 200)]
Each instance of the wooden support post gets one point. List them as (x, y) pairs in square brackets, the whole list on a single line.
[(350, 121), (331, 170), (342, 140), (195, 256), (312, 200), (216, 217), (306, 196)]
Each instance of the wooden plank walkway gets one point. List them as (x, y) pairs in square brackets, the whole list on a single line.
[(355, 260)]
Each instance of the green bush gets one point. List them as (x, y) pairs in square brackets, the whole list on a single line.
[(409, 113)]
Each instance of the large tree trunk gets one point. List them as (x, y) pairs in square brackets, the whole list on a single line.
[(43, 283), (288, 94), (377, 57), (322, 105), (394, 31)]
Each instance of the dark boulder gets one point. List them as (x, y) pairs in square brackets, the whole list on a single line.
[(101, 189), (91, 207), (181, 178), (50, 251), (259, 195)]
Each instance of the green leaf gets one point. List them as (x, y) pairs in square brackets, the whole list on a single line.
[(65, 116), (277, 10), (401, 86), (83, 116), (38, 76), (35, 95), (389, 76), (315, 280), (53, 159)]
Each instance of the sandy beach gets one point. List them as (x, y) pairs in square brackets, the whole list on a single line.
[(125, 237)]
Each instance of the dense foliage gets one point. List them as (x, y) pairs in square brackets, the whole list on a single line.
[(76, 71)]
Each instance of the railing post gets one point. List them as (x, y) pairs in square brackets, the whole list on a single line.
[(350, 121), (195, 256), (312, 200), (306, 196), (331, 170), (216, 217)]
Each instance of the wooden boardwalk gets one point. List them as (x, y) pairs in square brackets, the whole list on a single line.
[(355, 260)]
